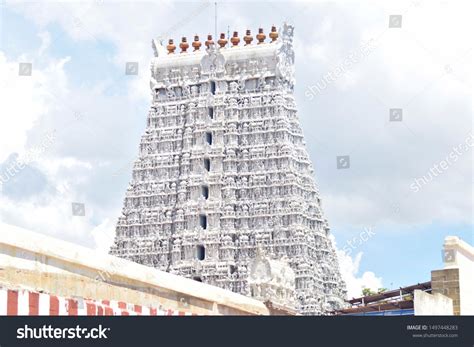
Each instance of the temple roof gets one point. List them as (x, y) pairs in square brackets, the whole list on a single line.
[(230, 53), (231, 48)]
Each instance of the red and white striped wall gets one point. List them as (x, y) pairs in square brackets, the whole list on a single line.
[(29, 303)]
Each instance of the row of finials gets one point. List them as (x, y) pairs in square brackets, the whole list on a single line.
[(222, 42)]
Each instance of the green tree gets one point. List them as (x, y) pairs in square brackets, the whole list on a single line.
[(368, 291)]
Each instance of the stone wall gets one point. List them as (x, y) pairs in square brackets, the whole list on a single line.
[(446, 282), (456, 280), (43, 264), (426, 304), (23, 302)]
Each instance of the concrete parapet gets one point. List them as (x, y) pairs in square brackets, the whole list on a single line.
[(426, 304), (44, 264)]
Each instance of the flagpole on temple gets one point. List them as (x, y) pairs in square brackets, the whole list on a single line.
[(215, 19)]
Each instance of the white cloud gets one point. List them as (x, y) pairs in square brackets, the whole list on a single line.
[(32, 108), (46, 214), (408, 69), (22, 103), (103, 235), (355, 283), (45, 42)]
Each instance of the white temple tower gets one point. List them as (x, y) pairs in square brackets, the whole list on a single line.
[(223, 171)]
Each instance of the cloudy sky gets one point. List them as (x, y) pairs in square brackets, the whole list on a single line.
[(70, 122)]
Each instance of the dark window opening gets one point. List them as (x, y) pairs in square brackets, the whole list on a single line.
[(211, 112), (205, 192), (209, 138), (201, 252), (232, 269), (207, 164), (251, 84), (213, 87), (203, 221), (270, 81), (161, 92), (197, 278)]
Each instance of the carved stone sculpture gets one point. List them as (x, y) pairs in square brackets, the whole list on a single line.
[(223, 171)]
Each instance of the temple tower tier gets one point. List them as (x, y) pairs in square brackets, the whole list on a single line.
[(223, 174)]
